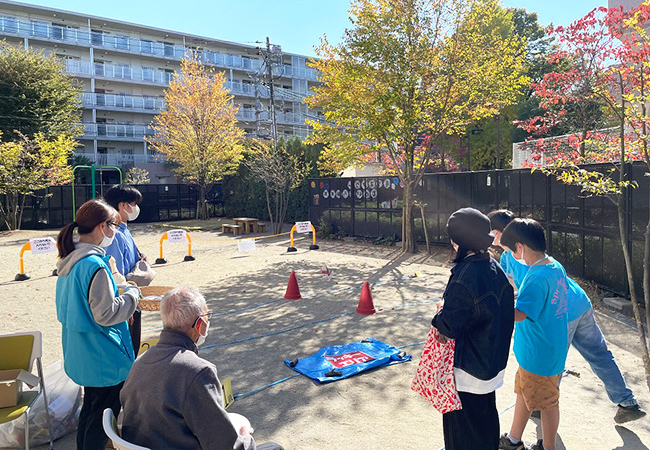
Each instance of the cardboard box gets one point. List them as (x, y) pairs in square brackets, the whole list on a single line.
[(11, 383)]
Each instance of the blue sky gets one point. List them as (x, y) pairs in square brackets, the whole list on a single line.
[(296, 25)]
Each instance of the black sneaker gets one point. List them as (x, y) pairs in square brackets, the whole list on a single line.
[(538, 446), (628, 413), (505, 444)]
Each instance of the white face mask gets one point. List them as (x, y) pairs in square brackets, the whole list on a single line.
[(106, 241), (522, 260), (135, 212), (201, 339)]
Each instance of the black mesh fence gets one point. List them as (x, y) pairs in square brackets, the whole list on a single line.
[(52, 207), (582, 232)]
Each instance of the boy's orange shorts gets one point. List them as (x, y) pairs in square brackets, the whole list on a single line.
[(539, 392)]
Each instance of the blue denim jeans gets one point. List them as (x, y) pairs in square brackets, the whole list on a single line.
[(587, 338)]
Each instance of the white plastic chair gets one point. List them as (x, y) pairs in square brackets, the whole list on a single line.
[(19, 351), (110, 428)]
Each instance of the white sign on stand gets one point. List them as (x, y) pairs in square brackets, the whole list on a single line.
[(176, 236), (42, 245), (246, 245), (303, 227)]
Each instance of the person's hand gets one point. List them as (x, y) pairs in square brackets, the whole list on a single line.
[(130, 320), (245, 431), (442, 338), (143, 257)]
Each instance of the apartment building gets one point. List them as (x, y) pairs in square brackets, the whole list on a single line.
[(125, 67)]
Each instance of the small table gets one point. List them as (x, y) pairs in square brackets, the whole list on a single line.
[(249, 223)]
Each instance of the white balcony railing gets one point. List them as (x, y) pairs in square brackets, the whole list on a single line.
[(119, 159), (128, 102), (248, 114), (85, 38), (120, 131), (84, 68)]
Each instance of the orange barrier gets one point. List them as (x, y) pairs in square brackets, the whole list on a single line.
[(176, 236), (313, 246), (43, 245)]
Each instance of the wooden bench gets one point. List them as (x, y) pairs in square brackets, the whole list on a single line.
[(231, 228), (260, 227)]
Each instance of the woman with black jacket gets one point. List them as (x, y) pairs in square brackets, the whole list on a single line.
[(478, 313)]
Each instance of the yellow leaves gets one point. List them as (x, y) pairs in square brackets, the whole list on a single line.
[(198, 131)]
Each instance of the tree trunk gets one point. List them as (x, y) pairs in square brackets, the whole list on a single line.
[(409, 243), (201, 209), (622, 225)]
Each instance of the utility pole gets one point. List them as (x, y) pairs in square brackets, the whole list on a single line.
[(269, 72)]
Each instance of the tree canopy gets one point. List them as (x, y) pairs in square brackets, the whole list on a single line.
[(36, 95), (406, 74)]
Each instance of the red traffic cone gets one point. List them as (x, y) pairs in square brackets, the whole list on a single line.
[(293, 291), (365, 301)]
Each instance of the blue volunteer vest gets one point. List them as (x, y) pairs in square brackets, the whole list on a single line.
[(93, 355)]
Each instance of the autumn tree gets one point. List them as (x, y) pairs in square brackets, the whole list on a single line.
[(281, 168), (408, 69), (27, 165), (198, 131), (609, 77)]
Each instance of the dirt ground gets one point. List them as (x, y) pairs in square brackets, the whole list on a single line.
[(375, 410)]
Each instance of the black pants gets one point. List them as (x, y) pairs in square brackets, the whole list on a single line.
[(90, 434), (475, 427)]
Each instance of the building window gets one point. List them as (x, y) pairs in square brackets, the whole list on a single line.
[(168, 49), (123, 71), (146, 46), (97, 37)]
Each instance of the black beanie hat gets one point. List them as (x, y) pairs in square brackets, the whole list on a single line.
[(470, 229)]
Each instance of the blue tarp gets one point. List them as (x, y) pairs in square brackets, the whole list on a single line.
[(342, 361)]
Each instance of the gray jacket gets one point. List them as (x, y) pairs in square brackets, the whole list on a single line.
[(106, 308), (172, 399)]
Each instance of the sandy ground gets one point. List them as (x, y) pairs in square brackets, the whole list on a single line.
[(376, 410)]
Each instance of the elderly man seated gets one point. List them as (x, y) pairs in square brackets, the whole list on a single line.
[(172, 398)]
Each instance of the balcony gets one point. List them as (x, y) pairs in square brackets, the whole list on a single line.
[(248, 115), (116, 132), (119, 159), (151, 105), (75, 36)]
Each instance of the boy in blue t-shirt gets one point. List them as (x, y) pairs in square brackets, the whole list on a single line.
[(583, 331), (541, 334)]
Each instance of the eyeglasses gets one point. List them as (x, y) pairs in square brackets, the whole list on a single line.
[(207, 315), (113, 225)]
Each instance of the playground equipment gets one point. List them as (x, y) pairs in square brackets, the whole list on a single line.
[(93, 168), (303, 227), (37, 246), (176, 236)]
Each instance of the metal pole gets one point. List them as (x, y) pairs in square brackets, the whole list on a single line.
[(469, 152), (92, 179)]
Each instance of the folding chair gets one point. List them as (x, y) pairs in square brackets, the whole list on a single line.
[(18, 351), (110, 428)]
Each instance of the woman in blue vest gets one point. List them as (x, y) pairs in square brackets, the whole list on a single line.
[(97, 348)]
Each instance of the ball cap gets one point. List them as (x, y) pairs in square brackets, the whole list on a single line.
[(470, 229)]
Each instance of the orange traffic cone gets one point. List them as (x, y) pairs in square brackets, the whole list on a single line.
[(293, 291), (365, 301)]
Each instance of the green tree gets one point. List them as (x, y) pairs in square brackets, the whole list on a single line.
[(198, 131), (409, 68), (282, 169), (36, 95), (27, 165), (137, 175)]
